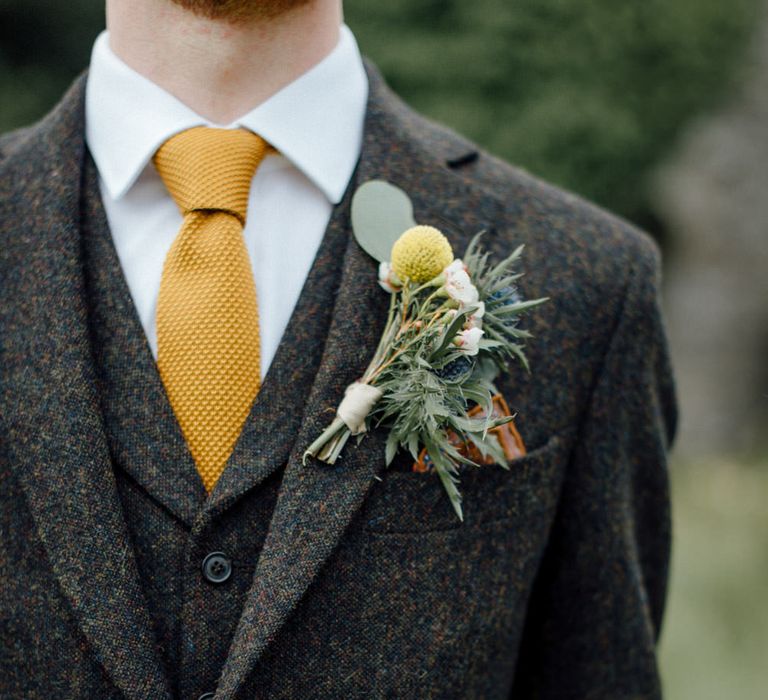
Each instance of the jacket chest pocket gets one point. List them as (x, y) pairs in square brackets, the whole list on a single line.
[(411, 502)]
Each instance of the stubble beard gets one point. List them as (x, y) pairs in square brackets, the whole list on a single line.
[(240, 10)]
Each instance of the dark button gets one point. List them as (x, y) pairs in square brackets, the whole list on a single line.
[(217, 568), (207, 696)]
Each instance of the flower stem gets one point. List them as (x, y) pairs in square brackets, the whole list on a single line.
[(387, 330), (320, 447)]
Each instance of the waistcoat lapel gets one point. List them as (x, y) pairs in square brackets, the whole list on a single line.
[(275, 418), (50, 410), (317, 502), (143, 434)]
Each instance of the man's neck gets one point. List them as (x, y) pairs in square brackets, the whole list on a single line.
[(219, 69)]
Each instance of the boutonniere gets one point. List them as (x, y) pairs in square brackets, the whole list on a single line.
[(452, 328)]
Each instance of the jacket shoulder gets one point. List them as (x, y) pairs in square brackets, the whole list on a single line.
[(587, 260), (595, 251), (548, 213), (63, 123), (10, 140), (569, 219)]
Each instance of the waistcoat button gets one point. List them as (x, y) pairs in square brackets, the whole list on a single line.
[(217, 568)]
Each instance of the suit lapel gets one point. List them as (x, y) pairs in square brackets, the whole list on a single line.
[(317, 502), (55, 433)]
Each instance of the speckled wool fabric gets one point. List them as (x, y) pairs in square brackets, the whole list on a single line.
[(156, 478), (349, 581)]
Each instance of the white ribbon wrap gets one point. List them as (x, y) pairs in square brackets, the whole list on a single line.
[(359, 400)]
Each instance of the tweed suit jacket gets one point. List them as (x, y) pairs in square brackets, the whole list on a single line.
[(362, 583)]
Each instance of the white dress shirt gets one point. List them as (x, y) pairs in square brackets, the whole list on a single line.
[(316, 124)]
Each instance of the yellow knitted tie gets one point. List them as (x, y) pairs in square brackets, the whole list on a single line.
[(207, 313)]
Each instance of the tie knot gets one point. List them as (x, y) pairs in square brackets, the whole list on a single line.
[(210, 169)]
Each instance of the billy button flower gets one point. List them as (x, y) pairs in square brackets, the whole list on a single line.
[(421, 254)]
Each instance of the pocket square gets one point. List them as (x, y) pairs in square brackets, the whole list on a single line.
[(507, 436)]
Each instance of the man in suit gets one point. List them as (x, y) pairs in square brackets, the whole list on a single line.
[(140, 560)]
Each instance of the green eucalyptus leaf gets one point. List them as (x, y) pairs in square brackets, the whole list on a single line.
[(380, 214)]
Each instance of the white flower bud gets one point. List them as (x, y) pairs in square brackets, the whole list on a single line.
[(475, 319), (458, 286), (388, 280), (468, 341)]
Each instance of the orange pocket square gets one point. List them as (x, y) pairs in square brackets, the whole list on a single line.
[(506, 434)]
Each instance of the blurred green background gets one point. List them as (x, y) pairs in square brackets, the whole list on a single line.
[(592, 95), (588, 94)]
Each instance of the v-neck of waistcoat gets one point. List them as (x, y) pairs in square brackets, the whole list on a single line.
[(143, 434)]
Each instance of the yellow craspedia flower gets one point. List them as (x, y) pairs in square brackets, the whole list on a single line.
[(420, 254)]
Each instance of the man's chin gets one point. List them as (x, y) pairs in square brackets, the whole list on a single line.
[(240, 10)]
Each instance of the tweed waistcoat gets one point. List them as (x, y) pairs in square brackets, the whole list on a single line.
[(160, 489)]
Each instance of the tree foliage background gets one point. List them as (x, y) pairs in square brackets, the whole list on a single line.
[(587, 93)]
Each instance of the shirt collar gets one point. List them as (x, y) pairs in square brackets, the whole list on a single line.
[(316, 121)]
